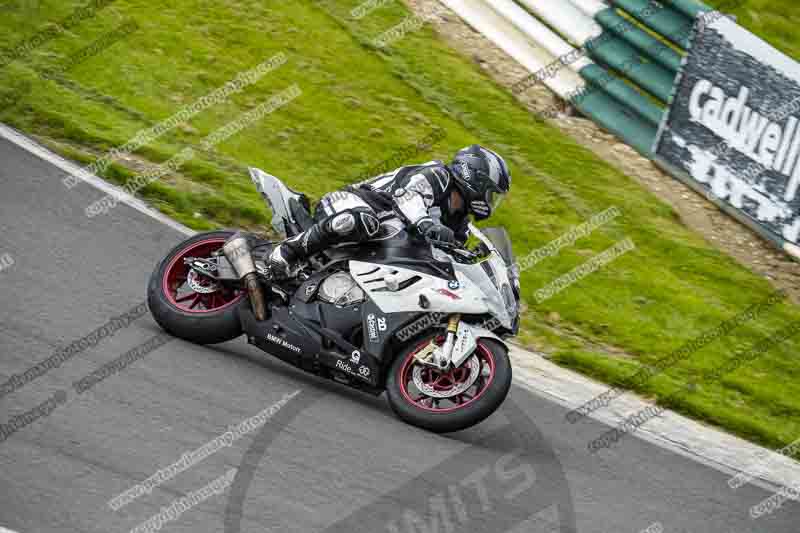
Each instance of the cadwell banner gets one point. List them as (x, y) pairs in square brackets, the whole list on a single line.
[(733, 127)]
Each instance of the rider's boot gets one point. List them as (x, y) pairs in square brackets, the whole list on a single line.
[(282, 260), (284, 257)]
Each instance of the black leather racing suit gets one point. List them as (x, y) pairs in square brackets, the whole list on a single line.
[(352, 214)]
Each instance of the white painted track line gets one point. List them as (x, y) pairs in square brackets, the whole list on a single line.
[(677, 433), (69, 167)]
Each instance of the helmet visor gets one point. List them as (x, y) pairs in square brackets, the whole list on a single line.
[(494, 199)]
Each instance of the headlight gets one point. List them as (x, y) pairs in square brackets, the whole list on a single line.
[(487, 267), (513, 275), (508, 299)]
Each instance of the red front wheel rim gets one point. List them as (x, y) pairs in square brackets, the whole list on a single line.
[(441, 381), (180, 294)]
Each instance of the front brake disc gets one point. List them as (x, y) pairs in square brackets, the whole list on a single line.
[(474, 372)]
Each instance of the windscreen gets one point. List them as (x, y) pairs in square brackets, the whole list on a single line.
[(500, 240)]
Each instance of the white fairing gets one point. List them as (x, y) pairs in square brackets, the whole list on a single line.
[(467, 340), (492, 298), (392, 290), (498, 294), (376, 280), (465, 344), (277, 195)]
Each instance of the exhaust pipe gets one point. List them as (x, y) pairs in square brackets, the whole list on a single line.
[(256, 296), (237, 251)]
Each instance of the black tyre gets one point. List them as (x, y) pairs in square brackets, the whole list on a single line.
[(434, 400), (189, 306)]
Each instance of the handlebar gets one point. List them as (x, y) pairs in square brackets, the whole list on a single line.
[(454, 249)]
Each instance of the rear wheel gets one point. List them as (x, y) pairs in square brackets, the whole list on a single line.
[(189, 305), (453, 399)]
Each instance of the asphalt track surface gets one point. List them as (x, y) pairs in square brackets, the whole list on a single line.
[(329, 460)]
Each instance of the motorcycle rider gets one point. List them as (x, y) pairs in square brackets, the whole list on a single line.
[(473, 183)]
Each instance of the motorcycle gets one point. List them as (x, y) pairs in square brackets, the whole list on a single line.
[(425, 323)]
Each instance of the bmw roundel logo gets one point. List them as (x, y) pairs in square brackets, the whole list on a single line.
[(453, 284)]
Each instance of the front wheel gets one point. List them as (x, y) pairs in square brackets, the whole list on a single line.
[(189, 305), (452, 400)]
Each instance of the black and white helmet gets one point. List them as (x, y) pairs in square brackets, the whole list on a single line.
[(482, 177)]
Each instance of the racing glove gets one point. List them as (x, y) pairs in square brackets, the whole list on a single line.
[(437, 232)]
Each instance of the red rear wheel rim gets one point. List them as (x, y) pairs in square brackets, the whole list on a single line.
[(442, 381), (181, 295)]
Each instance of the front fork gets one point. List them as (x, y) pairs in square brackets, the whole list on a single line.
[(441, 356)]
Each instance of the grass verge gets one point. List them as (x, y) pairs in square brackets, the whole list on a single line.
[(362, 105)]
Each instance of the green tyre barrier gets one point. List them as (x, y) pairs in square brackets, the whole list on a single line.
[(640, 39), (690, 8), (622, 92), (665, 21), (616, 118), (619, 55)]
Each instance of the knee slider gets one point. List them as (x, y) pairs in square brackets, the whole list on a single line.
[(343, 223)]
